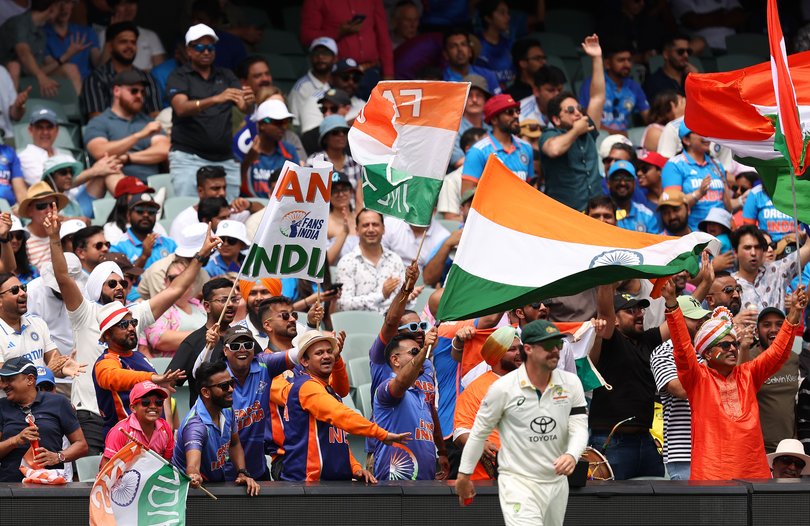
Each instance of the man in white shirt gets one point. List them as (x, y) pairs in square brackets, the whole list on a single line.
[(304, 95), (542, 418), (12, 104), (370, 273), (43, 127), (404, 239)]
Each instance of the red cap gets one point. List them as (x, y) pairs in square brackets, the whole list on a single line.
[(498, 104), (655, 159), (142, 389), (129, 186)]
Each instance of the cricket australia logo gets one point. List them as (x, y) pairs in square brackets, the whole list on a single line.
[(621, 257)]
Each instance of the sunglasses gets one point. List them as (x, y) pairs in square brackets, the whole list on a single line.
[(773, 244), (115, 282), (730, 289), (238, 346), (621, 176), (230, 241), (286, 315), (414, 326), (137, 91), (224, 386), (101, 244), (145, 210), (413, 351), (44, 206), (537, 305), (125, 324), (550, 345), (683, 51), (572, 109), (350, 77), (19, 236), (151, 402), (328, 108), (15, 289), (726, 346), (786, 460), (64, 171), (202, 48)]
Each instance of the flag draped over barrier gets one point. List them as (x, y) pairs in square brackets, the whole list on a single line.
[(520, 246), (291, 239), (403, 138)]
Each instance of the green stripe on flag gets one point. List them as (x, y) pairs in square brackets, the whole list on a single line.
[(412, 201), (469, 296)]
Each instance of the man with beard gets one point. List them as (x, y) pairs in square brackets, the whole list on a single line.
[(674, 212), (502, 112), (777, 396), (624, 361), (125, 131), (122, 367), (26, 335), (97, 90), (309, 89), (672, 73), (623, 97), (501, 351), (254, 292), (458, 53), (725, 292), (315, 442), (253, 372), (400, 404), (253, 72), (141, 244), (208, 437), (568, 149), (215, 296), (347, 76), (630, 215), (90, 246), (528, 58), (268, 152), (104, 285), (202, 97)]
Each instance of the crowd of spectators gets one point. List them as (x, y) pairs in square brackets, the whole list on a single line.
[(184, 147)]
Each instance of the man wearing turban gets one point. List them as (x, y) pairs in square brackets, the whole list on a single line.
[(254, 291)]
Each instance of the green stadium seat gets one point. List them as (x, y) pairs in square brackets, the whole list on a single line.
[(422, 299), (87, 467), (568, 67), (181, 398), (364, 400), (279, 42), (557, 44), (348, 401), (160, 364), (359, 372), (175, 205), (576, 24), (281, 67), (749, 44), (101, 210), (66, 96), (357, 345), (159, 181), (357, 321), (736, 61), (635, 134)]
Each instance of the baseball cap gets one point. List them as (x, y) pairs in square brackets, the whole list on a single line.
[(129, 77), (234, 229), (130, 185), (672, 198), (624, 300), (142, 198), (44, 376), (326, 42), (785, 246), (479, 82), (18, 365), (340, 178), (44, 114), (59, 162), (69, 227), (655, 159), (720, 216), (346, 65), (609, 142), (238, 332), (691, 308), (331, 123), (683, 131), (142, 389), (498, 104), (769, 310), (309, 338), (191, 240), (123, 263), (622, 166), (198, 31), (336, 96), (540, 331), (109, 315), (272, 109)]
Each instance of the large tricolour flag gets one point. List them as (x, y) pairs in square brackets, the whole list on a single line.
[(138, 488), (520, 246), (403, 138)]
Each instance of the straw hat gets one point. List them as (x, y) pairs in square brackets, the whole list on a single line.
[(40, 190)]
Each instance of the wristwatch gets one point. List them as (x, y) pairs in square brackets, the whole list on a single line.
[(244, 472), (202, 259), (60, 456)]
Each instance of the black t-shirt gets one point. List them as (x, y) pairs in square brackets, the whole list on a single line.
[(53, 415), (625, 365), (187, 354), (206, 133), (519, 90)]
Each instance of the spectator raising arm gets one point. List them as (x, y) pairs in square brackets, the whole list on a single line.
[(597, 101)]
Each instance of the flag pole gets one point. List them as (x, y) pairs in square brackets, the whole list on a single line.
[(795, 216), (166, 462), (419, 250)]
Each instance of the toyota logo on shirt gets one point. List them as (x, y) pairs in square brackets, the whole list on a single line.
[(544, 427)]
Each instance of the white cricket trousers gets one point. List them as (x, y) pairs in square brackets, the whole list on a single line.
[(526, 502)]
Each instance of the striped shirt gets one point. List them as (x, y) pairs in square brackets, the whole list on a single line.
[(677, 413), (39, 250), (97, 91)]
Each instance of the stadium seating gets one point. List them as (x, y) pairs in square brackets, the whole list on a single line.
[(281, 42), (160, 364), (101, 210), (175, 205), (159, 181), (749, 43), (357, 321), (66, 97), (359, 371), (736, 61), (635, 134), (348, 401), (576, 24), (87, 468), (363, 397), (422, 299), (357, 345), (181, 398)]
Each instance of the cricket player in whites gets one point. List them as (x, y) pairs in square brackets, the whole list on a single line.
[(542, 418)]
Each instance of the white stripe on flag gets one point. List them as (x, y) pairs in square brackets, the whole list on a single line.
[(434, 147), (368, 150)]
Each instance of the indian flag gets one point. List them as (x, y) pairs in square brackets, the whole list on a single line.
[(520, 246), (137, 487), (403, 138)]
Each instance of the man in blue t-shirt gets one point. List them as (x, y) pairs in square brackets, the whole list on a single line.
[(12, 183), (72, 43), (629, 214), (401, 405), (458, 54), (759, 210), (268, 153), (623, 97), (141, 244), (208, 437)]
